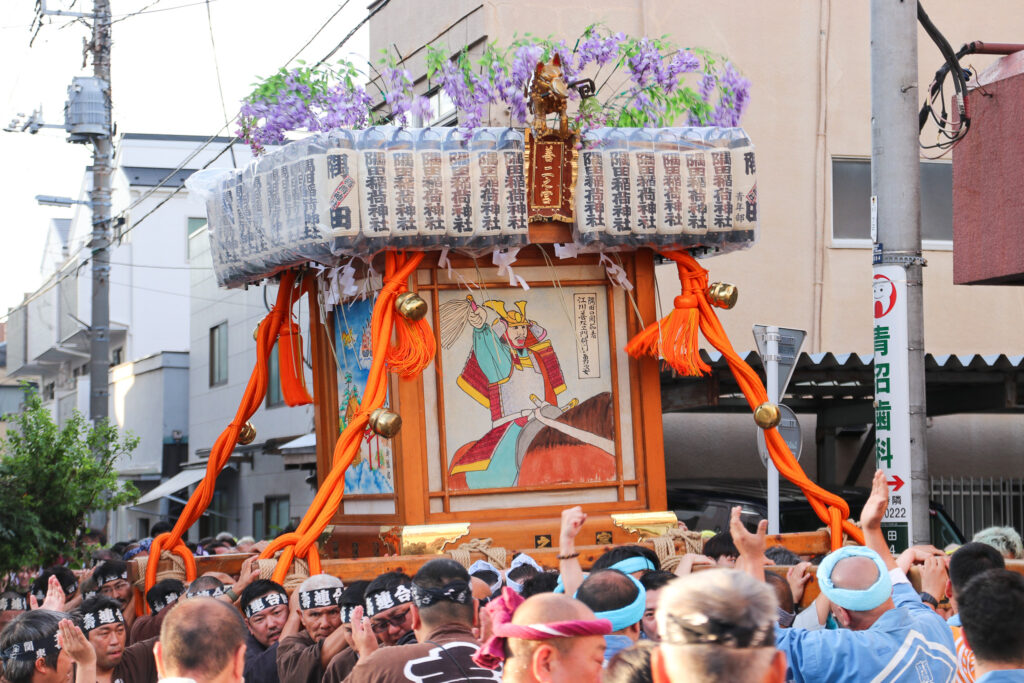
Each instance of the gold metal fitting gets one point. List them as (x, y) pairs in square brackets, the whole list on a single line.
[(385, 423), (723, 295), (256, 333), (767, 415), (411, 306), (247, 434)]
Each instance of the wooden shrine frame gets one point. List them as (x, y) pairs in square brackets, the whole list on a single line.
[(410, 457)]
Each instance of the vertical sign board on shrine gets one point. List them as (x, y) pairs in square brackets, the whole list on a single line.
[(892, 400)]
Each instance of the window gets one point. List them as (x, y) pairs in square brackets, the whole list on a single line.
[(143, 530), (259, 528), (443, 111), (194, 226), (274, 396), (49, 391), (277, 514), (219, 355), (851, 200), (117, 356)]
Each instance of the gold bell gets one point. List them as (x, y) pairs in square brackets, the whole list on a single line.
[(256, 333), (767, 415), (385, 423), (247, 434), (723, 295), (411, 306)]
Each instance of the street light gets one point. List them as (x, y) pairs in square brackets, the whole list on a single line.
[(64, 202)]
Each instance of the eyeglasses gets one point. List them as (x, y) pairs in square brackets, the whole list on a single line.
[(397, 620)]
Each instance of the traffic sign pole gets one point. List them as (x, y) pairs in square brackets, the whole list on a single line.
[(771, 370), (779, 348)]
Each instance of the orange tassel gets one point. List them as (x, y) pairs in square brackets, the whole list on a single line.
[(289, 363), (674, 337)]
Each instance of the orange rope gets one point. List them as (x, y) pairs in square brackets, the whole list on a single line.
[(832, 509), (411, 352), (255, 391)]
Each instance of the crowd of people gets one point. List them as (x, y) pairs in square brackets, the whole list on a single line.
[(736, 620)]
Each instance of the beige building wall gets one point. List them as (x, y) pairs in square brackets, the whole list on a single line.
[(809, 63)]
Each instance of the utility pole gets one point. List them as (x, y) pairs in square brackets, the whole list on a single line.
[(900, 447), (99, 245)]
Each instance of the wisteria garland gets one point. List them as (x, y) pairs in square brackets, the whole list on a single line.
[(641, 82)]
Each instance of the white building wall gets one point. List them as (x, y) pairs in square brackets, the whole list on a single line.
[(211, 409)]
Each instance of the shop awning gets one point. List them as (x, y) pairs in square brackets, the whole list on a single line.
[(179, 481)]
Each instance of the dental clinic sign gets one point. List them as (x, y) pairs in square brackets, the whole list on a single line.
[(892, 400)]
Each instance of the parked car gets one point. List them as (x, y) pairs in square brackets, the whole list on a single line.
[(704, 504)]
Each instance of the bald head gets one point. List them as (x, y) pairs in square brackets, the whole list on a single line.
[(548, 607), (202, 639), (855, 573), (578, 659)]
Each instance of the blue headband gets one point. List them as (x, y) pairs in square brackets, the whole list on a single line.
[(624, 617), (627, 566), (856, 600), (634, 564)]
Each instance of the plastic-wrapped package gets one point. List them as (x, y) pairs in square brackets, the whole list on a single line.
[(512, 179), (458, 180), (593, 211), (408, 216), (341, 199), (430, 189), (644, 183), (376, 176), (487, 207), (689, 188)]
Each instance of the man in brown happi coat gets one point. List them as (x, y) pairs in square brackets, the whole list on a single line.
[(303, 657), (103, 624), (444, 614)]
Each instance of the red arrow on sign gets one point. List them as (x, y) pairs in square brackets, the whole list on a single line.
[(896, 483)]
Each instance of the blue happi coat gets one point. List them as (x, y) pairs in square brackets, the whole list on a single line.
[(910, 643)]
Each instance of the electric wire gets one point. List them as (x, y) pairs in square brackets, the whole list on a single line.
[(235, 139), (220, 85), (936, 90)]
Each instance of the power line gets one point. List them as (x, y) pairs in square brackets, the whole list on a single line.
[(146, 10), (319, 31), (209, 140), (220, 86), (352, 33), (166, 199)]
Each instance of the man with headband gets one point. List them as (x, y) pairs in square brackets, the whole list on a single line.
[(343, 663), (29, 649), (717, 626), (303, 657), (103, 624), (443, 613), (264, 605), (887, 633), (388, 602), (548, 637), (621, 599)]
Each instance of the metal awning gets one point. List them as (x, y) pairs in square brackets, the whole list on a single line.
[(304, 444), (300, 451), (844, 382), (179, 481)]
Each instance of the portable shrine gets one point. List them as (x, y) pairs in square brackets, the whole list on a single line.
[(484, 327)]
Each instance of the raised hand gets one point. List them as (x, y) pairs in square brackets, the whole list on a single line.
[(572, 521), (798, 578), (54, 596), (874, 508), (363, 639)]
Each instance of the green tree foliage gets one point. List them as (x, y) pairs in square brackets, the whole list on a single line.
[(51, 478)]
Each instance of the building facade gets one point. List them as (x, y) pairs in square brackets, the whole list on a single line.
[(149, 314), (809, 118)]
